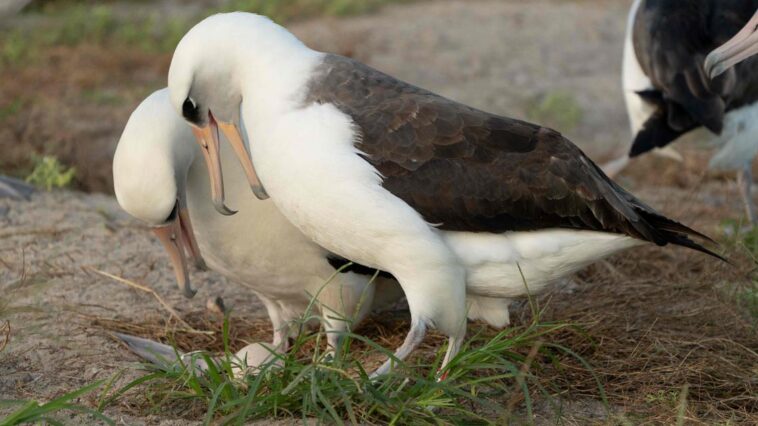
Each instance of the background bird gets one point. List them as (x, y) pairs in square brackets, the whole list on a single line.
[(668, 93)]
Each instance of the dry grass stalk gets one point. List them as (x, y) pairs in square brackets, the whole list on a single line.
[(146, 289)]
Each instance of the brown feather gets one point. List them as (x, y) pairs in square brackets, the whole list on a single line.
[(469, 170)]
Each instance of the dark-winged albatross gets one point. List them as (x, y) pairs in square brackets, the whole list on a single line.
[(375, 170), (159, 178), (668, 93)]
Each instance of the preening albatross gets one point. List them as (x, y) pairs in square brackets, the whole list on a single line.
[(668, 93), (160, 179), (375, 169)]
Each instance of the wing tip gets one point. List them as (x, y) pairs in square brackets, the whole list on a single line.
[(673, 232)]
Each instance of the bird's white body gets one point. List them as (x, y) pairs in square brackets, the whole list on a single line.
[(257, 247)]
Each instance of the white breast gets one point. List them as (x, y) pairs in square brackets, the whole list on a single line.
[(257, 246)]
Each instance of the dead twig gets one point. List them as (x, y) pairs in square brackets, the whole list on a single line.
[(146, 289), (6, 328)]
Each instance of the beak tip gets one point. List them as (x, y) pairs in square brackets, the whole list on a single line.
[(260, 192), (189, 292), (716, 71), (710, 66), (200, 264), (223, 209)]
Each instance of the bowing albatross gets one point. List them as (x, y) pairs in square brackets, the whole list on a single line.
[(375, 170), (159, 179), (668, 93)]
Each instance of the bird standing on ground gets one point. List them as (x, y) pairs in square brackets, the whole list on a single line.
[(668, 93), (375, 169), (159, 179)]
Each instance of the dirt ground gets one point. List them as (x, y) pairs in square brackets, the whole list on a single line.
[(640, 314)]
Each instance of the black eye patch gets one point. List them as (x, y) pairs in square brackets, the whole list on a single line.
[(191, 111)]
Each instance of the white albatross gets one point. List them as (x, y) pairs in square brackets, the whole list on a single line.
[(375, 169), (160, 179)]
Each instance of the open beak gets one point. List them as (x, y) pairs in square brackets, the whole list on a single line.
[(234, 137), (207, 138), (176, 235), (740, 47)]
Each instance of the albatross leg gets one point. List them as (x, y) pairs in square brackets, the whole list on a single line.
[(453, 347), (335, 327), (745, 183), (412, 341), (280, 326)]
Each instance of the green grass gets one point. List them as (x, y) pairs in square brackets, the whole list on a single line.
[(33, 412), (739, 237), (10, 110), (483, 380), (493, 380), (14, 48), (49, 173), (103, 97), (71, 23), (288, 10), (79, 23), (559, 110)]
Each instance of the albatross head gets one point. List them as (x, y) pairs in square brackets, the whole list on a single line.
[(740, 47), (212, 64), (149, 177)]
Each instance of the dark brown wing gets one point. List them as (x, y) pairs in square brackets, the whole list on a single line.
[(466, 169), (671, 40)]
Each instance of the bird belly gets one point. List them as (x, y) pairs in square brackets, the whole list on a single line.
[(515, 264)]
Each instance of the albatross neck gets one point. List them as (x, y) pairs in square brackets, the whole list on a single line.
[(274, 76)]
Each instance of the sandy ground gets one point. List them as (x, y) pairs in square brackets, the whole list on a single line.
[(500, 56)]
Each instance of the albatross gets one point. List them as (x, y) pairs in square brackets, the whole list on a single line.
[(397, 178), (160, 178), (668, 93)]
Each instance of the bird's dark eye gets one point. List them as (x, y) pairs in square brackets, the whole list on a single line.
[(190, 111)]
